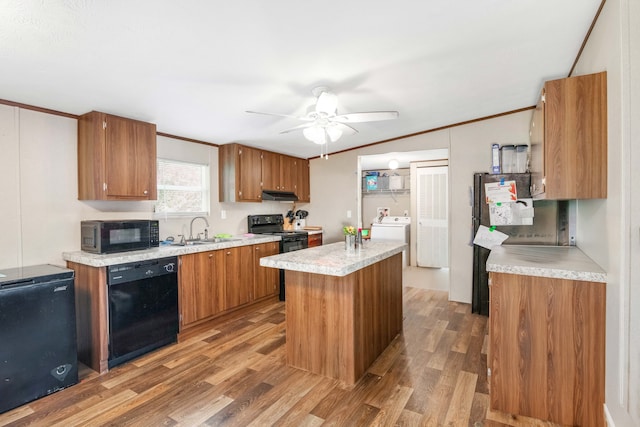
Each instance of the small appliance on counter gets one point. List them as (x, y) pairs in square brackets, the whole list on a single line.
[(300, 220), (104, 237), (38, 350)]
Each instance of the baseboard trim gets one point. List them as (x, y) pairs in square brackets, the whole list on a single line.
[(607, 417)]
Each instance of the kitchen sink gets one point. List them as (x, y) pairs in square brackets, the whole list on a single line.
[(207, 241), (190, 243)]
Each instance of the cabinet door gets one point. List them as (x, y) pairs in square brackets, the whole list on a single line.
[(546, 348), (266, 279), (536, 135), (201, 286), (314, 240), (239, 276), (270, 170), (288, 173), (130, 159), (302, 189), (249, 175), (573, 139)]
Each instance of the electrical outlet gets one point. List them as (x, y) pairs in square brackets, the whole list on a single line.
[(406, 212)]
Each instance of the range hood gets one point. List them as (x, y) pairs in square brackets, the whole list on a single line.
[(279, 196)]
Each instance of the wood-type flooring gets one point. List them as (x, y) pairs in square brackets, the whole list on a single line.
[(233, 373)]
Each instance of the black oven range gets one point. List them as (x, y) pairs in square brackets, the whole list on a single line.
[(273, 224)]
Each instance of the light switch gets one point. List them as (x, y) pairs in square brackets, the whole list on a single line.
[(223, 214), (348, 214)]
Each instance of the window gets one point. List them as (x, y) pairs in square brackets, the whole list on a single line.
[(183, 188)]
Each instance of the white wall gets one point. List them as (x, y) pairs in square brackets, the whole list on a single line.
[(11, 248), (607, 229), (334, 183)]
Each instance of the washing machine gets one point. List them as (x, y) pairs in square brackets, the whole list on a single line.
[(396, 228)]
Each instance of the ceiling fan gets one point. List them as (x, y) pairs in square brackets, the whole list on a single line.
[(324, 124)]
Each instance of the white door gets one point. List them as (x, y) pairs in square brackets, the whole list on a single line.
[(432, 209)]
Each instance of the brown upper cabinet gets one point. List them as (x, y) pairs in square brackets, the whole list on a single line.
[(116, 158), (302, 189), (246, 171), (569, 139), (240, 173)]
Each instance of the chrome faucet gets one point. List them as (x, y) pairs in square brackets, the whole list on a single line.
[(191, 227)]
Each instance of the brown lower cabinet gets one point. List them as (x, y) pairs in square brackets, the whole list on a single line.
[(547, 348), (238, 276), (215, 282), (199, 292), (266, 279), (314, 240)]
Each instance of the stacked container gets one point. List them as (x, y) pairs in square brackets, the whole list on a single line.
[(514, 158)]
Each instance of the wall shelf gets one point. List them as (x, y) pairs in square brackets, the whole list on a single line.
[(401, 191)]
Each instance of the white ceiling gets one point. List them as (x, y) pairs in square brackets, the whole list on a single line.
[(194, 67)]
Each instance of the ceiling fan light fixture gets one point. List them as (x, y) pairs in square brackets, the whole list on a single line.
[(393, 164), (315, 134), (334, 133)]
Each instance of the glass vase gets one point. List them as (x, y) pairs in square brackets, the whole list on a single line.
[(350, 243)]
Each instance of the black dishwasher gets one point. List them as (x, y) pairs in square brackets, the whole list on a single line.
[(143, 307), (38, 351)]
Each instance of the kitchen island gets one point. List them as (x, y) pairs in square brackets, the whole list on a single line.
[(342, 308)]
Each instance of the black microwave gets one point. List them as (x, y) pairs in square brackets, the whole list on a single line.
[(105, 237)]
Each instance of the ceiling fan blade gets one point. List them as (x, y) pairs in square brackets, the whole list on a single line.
[(371, 116), (299, 127), (306, 119), (346, 129)]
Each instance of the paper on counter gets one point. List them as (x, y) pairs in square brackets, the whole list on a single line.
[(500, 192), (488, 238)]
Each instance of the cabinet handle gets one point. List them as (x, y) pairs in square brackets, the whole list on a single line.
[(210, 255), (145, 192), (228, 253)]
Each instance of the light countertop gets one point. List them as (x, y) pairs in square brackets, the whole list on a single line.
[(561, 262), (333, 259), (96, 260)]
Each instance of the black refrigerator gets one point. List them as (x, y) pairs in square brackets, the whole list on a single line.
[(550, 227), (38, 353)]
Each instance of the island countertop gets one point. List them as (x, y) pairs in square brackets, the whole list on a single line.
[(333, 259), (561, 262)]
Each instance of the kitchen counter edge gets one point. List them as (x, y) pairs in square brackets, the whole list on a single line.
[(558, 262), (104, 260), (333, 259)]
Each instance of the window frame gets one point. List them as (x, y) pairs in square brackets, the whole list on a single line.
[(205, 190)]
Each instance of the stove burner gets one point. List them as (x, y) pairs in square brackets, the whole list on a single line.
[(273, 225)]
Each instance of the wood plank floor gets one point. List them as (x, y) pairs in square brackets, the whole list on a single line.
[(233, 373)]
